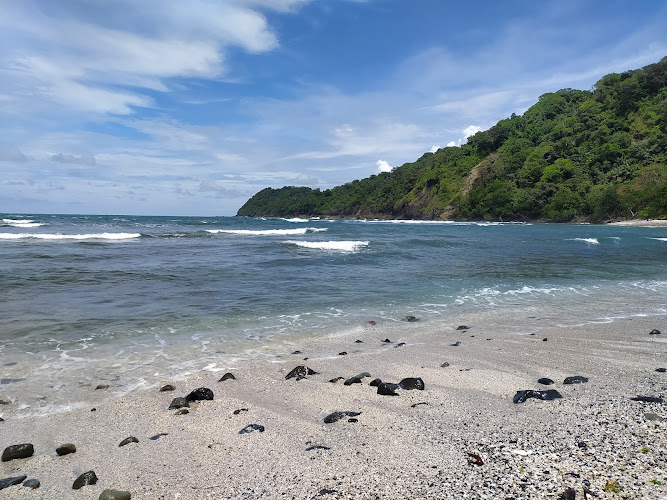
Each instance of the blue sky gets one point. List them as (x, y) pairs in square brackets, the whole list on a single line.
[(182, 107)]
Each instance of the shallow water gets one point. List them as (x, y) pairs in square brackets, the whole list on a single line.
[(137, 300)]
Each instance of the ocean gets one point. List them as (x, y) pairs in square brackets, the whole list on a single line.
[(137, 301)]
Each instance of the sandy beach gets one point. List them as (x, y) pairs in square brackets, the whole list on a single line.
[(460, 437), (641, 223)]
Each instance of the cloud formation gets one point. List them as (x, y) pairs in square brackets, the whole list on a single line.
[(86, 160), (383, 166)]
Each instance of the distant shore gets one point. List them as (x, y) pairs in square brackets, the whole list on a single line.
[(461, 437)]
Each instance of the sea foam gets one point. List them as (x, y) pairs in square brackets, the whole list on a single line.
[(338, 246), (590, 241), (47, 236), (268, 232)]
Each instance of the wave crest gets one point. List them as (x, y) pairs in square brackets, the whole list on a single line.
[(78, 237), (338, 246), (268, 232)]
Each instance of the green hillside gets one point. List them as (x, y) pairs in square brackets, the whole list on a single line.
[(574, 155)]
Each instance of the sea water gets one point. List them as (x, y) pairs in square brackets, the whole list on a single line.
[(135, 301)]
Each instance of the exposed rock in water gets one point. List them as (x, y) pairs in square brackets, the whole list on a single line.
[(128, 440), (167, 388), (227, 376), (654, 332), (548, 395), (337, 415), (11, 481), (200, 394), (177, 403), (576, 379), (375, 382), (17, 451), (647, 399), (410, 319), (65, 449), (115, 495), (251, 428), (32, 483), (387, 389), (85, 479), (411, 383), (545, 381), (300, 372)]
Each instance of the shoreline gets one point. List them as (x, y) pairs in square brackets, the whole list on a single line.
[(421, 444)]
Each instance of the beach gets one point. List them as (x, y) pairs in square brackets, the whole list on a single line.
[(460, 437)]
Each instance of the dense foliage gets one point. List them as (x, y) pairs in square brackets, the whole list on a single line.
[(574, 155)]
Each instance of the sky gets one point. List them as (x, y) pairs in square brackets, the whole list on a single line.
[(189, 107)]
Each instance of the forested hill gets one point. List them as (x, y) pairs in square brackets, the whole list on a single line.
[(574, 155)]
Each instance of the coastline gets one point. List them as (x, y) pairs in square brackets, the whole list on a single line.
[(595, 436), (641, 223)]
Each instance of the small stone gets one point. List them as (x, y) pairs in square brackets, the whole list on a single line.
[(582, 445), (5, 400), (32, 483), (375, 382), (463, 327), (549, 395), (576, 379), (545, 381), (387, 341), (236, 412), (456, 344), (411, 383), (654, 417), (251, 428), (300, 372), (387, 389), (371, 322), (544, 339), (200, 394), (661, 370), (158, 436), (353, 420), (85, 479), (128, 440), (410, 319), (166, 388), (654, 332), (182, 411), (400, 344), (337, 415), (647, 399), (444, 365), (17, 451), (352, 380), (342, 353), (11, 481), (317, 447), (177, 403), (93, 409), (227, 376), (65, 449), (115, 495), (418, 404), (358, 341), (297, 352), (102, 386), (334, 380)]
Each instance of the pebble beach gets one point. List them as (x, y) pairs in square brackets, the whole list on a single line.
[(462, 436)]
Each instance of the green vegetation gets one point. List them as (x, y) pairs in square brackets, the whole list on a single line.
[(575, 155), (613, 487), (656, 481)]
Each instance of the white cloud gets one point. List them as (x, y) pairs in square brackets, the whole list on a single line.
[(451, 144), (471, 130), (383, 166), (434, 149)]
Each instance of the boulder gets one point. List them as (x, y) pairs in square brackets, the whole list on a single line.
[(200, 394), (17, 451), (85, 479), (11, 481), (65, 449)]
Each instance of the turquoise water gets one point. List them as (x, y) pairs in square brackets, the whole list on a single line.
[(134, 299)]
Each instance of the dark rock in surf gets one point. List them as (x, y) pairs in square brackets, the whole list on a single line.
[(11, 481), (549, 395), (200, 394), (17, 451), (654, 332), (115, 495), (410, 319), (251, 428), (337, 415), (411, 383), (576, 379), (65, 449), (387, 389), (85, 479), (545, 381), (375, 382), (167, 388), (300, 372), (128, 440), (32, 483), (177, 403), (227, 376), (648, 399)]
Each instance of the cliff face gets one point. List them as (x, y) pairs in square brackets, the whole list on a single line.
[(574, 155)]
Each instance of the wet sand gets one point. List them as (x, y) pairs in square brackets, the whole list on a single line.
[(469, 440)]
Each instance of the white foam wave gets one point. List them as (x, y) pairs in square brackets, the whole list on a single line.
[(659, 239), (339, 246), (79, 237), (297, 219), (590, 241), (17, 221), (439, 222), (268, 232), (25, 225)]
